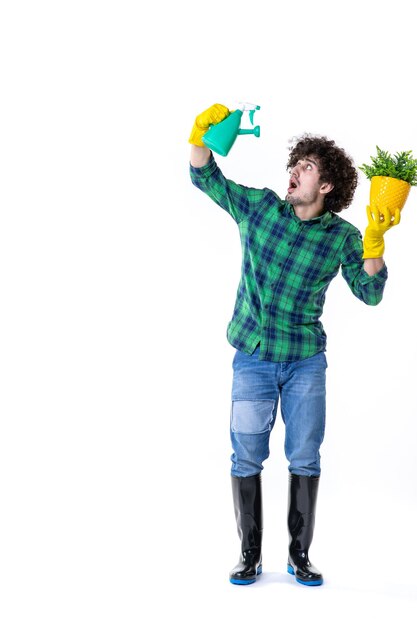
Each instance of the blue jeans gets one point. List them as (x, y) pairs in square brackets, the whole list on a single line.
[(257, 387)]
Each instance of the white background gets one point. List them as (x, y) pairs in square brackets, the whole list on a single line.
[(118, 278)]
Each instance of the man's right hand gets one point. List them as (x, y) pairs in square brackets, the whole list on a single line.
[(213, 115)]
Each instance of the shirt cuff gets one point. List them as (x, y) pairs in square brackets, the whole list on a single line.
[(380, 276), (205, 171)]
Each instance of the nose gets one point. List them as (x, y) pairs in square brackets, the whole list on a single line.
[(295, 171)]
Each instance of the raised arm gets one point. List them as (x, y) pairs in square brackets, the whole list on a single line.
[(213, 115), (199, 156)]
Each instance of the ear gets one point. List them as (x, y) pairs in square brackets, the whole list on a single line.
[(326, 188)]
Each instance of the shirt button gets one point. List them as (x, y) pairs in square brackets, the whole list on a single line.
[(266, 307)]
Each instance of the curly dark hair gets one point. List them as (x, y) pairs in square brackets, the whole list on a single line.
[(335, 167)]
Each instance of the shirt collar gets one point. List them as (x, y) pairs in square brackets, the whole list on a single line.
[(324, 220)]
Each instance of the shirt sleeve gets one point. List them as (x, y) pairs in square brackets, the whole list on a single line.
[(367, 288), (239, 201)]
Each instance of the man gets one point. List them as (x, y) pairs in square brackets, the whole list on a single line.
[(291, 250)]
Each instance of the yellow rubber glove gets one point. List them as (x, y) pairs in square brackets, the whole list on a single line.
[(378, 224), (212, 115)]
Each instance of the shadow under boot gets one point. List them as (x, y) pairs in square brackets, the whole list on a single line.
[(302, 499), (247, 500)]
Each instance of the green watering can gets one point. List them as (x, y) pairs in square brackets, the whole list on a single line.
[(221, 137)]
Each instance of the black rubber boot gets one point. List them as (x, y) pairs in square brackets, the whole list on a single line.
[(247, 500), (302, 498)]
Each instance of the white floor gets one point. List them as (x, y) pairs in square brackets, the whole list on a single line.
[(364, 545), (275, 598), (360, 587)]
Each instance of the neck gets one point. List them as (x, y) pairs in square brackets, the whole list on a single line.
[(308, 212)]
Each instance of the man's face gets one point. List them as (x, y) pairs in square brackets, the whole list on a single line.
[(305, 187)]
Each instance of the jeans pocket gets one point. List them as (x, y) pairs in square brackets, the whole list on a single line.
[(252, 416)]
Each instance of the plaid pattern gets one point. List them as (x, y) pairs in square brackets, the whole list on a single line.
[(287, 266)]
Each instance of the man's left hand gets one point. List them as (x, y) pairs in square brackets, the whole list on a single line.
[(379, 222)]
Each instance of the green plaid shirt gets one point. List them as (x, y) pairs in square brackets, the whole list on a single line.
[(287, 266)]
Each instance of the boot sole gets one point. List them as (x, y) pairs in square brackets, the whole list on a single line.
[(310, 583), (242, 581)]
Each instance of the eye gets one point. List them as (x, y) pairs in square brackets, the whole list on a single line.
[(309, 166)]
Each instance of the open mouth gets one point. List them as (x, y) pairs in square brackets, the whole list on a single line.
[(293, 185)]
